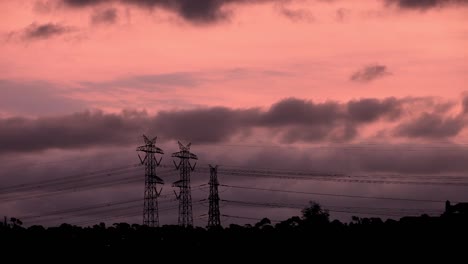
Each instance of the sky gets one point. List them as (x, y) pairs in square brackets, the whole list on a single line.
[(359, 87)]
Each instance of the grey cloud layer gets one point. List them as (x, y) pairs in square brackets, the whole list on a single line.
[(288, 121), (210, 11), (353, 160), (35, 97), (426, 4), (200, 11)]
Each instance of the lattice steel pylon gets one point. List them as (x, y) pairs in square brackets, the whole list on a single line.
[(150, 207), (213, 211), (185, 196)]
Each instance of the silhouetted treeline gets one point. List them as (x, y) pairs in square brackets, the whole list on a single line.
[(305, 235)]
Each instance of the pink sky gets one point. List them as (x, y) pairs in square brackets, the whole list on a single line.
[(236, 62)]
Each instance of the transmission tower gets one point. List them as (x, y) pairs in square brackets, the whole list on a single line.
[(185, 196), (150, 208), (213, 212)]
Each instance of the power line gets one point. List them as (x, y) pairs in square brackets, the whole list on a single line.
[(335, 195), (81, 187), (330, 177), (68, 184), (82, 208), (125, 215), (106, 206), (320, 175), (383, 212), (93, 211), (328, 207), (97, 213), (243, 169), (246, 172), (72, 178), (438, 183), (360, 145)]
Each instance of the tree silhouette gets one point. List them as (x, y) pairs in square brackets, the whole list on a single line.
[(315, 214), (265, 221), (16, 222), (298, 235)]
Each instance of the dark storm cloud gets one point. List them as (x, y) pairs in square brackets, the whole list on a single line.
[(44, 31), (199, 11), (369, 73), (426, 4), (106, 16)]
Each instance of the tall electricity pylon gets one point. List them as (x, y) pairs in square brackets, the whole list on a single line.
[(150, 207)]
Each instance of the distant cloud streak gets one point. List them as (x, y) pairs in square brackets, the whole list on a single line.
[(37, 31), (370, 73), (149, 81), (297, 15)]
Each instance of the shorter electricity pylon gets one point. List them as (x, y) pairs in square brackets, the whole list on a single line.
[(213, 212), (185, 196)]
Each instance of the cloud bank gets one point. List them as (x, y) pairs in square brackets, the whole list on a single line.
[(290, 120)]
